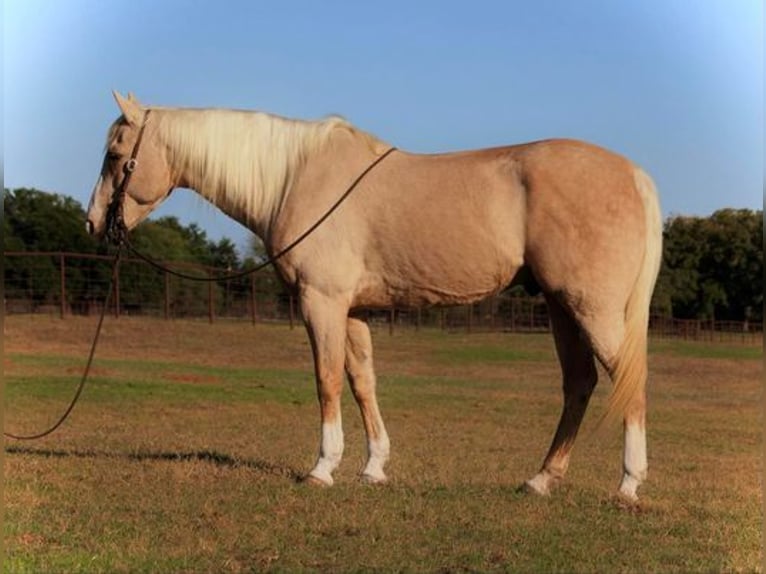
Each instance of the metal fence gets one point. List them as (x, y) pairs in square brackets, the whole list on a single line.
[(76, 284)]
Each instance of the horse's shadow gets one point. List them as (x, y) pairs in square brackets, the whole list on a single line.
[(208, 456)]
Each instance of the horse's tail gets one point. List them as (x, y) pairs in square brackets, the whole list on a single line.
[(629, 368)]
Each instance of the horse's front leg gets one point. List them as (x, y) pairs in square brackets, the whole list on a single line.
[(325, 320), (361, 375)]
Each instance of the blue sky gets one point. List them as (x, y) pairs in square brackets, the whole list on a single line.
[(676, 85)]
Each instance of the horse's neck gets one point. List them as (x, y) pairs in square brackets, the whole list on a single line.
[(259, 218), (324, 178), (247, 174), (251, 176)]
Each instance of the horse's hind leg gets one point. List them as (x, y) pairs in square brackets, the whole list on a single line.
[(634, 457), (607, 333), (580, 376), (362, 378)]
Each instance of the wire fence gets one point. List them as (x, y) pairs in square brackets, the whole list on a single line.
[(67, 284)]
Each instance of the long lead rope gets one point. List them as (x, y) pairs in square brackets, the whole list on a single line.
[(85, 374), (161, 267)]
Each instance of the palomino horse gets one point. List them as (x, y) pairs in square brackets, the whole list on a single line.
[(576, 221)]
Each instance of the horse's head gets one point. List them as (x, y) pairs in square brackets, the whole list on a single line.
[(135, 176)]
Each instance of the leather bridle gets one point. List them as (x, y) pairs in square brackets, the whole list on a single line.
[(116, 230)]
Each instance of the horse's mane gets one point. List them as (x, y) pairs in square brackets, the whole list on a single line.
[(244, 159)]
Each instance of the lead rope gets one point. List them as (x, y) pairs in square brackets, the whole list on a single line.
[(124, 242), (85, 374)]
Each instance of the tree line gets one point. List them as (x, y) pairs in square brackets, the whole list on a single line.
[(712, 266), (36, 221)]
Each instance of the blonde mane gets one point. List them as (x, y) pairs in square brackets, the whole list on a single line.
[(242, 159)]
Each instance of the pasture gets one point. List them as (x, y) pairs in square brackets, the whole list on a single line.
[(184, 452)]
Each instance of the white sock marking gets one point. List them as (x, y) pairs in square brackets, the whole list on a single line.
[(330, 451)]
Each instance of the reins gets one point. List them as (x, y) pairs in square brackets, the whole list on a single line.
[(85, 374), (118, 233)]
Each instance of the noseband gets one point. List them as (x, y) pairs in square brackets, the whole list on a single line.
[(116, 230)]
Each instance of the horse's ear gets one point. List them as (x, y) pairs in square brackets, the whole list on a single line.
[(129, 107)]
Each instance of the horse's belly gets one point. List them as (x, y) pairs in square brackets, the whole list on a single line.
[(418, 284), (450, 233)]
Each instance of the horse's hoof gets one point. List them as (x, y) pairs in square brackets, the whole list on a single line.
[(628, 488), (371, 479), (627, 503), (312, 480), (538, 486)]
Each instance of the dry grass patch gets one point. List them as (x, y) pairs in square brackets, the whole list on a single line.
[(185, 452)]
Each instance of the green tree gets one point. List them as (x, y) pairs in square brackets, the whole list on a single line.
[(713, 267), (47, 222), (223, 255), (732, 265), (183, 249)]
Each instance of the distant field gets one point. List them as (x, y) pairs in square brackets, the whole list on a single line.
[(184, 451)]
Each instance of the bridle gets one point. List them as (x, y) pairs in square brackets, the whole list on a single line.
[(116, 230)]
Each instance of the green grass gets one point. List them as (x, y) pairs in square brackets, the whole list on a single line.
[(135, 381), (189, 462), (697, 350), (489, 354)]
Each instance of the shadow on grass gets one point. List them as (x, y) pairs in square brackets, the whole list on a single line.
[(212, 457)]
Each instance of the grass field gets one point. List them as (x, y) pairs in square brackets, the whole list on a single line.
[(184, 452)]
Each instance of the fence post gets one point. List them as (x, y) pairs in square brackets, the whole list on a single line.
[(531, 315), (441, 318), (253, 310), (292, 313), (391, 318), (62, 267), (513, 314), (418, 319), (210, 311), (117, 291), (468, 323), (167, 295), (226, 300)]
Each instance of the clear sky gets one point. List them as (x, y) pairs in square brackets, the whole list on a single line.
[(676, 85)]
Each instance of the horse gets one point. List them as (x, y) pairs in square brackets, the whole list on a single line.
[(575, 221)]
